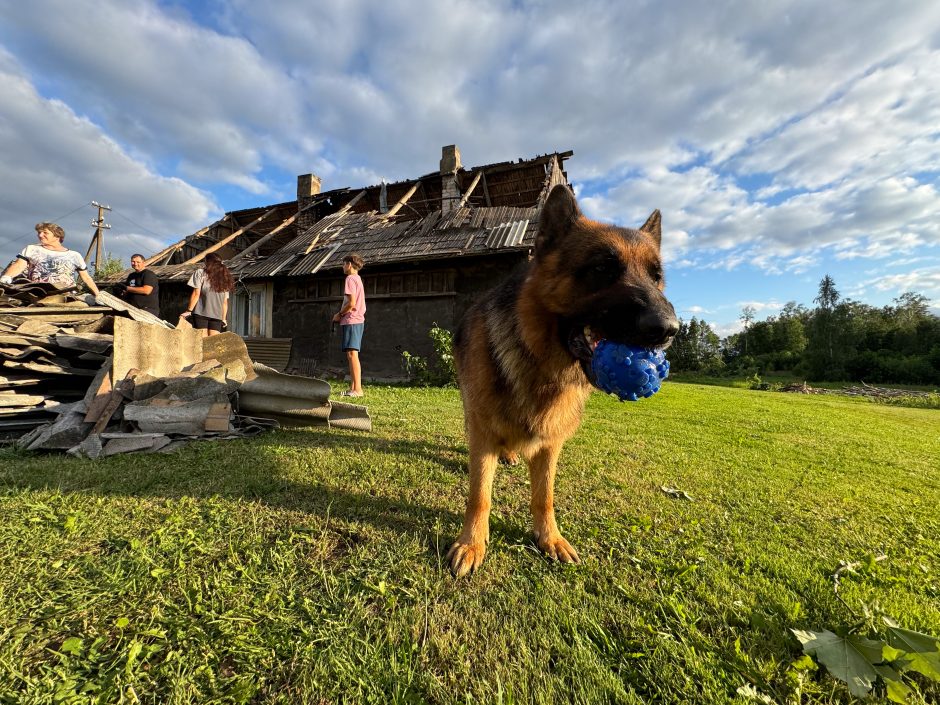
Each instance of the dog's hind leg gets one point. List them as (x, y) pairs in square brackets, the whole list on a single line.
[(467, 552), (542, 465)]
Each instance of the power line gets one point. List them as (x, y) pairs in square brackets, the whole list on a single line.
[(70, 213), (54, 220), (142, 227)]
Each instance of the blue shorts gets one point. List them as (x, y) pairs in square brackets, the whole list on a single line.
[(352, 336)]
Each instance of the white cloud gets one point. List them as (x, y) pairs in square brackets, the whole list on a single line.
[(775, 135), (924, 281), (174, 90), (56, 161), (760, 306)]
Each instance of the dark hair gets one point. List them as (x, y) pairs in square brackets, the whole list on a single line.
[(355, 259), (220, 278), (137, 254)]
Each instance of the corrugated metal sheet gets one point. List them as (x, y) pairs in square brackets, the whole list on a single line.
[(273, 352), (507, 234), (269, 266)]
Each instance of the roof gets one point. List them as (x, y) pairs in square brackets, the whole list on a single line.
[(494, 209)]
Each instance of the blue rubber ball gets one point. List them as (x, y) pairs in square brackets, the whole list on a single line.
[(627, 371)]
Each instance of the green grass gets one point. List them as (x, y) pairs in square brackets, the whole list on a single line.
[(308, 566)]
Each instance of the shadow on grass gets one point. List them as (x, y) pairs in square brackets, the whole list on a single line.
[(252, 469)]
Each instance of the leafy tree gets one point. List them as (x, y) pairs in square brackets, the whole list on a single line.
[(111, 265), (747, 315), (827, 299), (911, 308), (828, 295), (695, 347)]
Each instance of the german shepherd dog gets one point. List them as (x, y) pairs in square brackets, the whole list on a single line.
[(524, 353)]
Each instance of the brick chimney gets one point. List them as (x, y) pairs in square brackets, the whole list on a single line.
[(307, 185), (450, 165)]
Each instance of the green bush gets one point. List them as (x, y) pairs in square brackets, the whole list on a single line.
[(441, 371)]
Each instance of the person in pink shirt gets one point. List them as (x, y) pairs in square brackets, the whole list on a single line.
[(352, 320)]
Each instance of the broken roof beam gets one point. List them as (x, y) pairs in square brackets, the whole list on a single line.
[(401, 202), (335, 217), (553, 176), (171, 249), (469, 191), (226, 240), (255, 245)]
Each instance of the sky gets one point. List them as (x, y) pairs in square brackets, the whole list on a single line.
[(782, 141)]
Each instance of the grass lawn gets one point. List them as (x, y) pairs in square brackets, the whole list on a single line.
[(307, 566)]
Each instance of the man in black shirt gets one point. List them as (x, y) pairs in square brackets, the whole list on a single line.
[(142, 288)]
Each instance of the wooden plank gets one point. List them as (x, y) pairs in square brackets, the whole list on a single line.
[(218, 418), (176, 245), (226, 240), (255, 245), (334, 219), (473, 185), (401, 202), (114, 401), (486, 193), (100, 400)]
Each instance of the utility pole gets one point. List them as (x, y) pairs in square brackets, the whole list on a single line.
[(99, 225)]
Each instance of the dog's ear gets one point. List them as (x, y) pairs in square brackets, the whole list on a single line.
[(654, 227), (558, 214)]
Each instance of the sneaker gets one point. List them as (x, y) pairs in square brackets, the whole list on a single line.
[(351, 394)]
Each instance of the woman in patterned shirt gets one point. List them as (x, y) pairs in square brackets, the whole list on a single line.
[(50, 261)]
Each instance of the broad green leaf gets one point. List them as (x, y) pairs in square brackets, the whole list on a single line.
[(898, 690), (72, 645), (132, 653), (851, 659), (922, 650)]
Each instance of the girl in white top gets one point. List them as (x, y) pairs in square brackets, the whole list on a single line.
[(50, 261)]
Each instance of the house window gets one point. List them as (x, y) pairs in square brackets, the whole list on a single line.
[(251, 310)]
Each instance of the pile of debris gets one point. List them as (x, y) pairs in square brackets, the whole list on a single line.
[(865, 390), (102, 377), (803, 388)]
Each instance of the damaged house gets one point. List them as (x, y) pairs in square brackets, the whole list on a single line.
[(431, 246)]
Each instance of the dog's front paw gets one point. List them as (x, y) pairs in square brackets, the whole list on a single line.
[(557, 547), (465, 557)]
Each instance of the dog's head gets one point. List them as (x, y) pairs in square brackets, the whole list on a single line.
[(600, 281)]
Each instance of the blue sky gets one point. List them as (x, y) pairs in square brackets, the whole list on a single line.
[(781, 140)]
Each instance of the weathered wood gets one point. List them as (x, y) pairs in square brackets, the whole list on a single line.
[(401, 202), (486, 193), (336, 217), (21, 400), (469, 191), (114, 401), (226, 240), (255, 245), (176, 245)]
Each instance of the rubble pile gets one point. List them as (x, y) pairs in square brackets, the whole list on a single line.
[(102, 378), (52, 344)]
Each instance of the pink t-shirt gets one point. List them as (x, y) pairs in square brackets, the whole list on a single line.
[(353, 289)]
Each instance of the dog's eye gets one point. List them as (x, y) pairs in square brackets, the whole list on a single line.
[(606, 271), (656, 274)]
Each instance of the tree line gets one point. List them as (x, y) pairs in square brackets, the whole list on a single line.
[(837, 340)]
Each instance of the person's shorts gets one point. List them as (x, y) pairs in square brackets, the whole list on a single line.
[(352, 336), (206, 323)]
